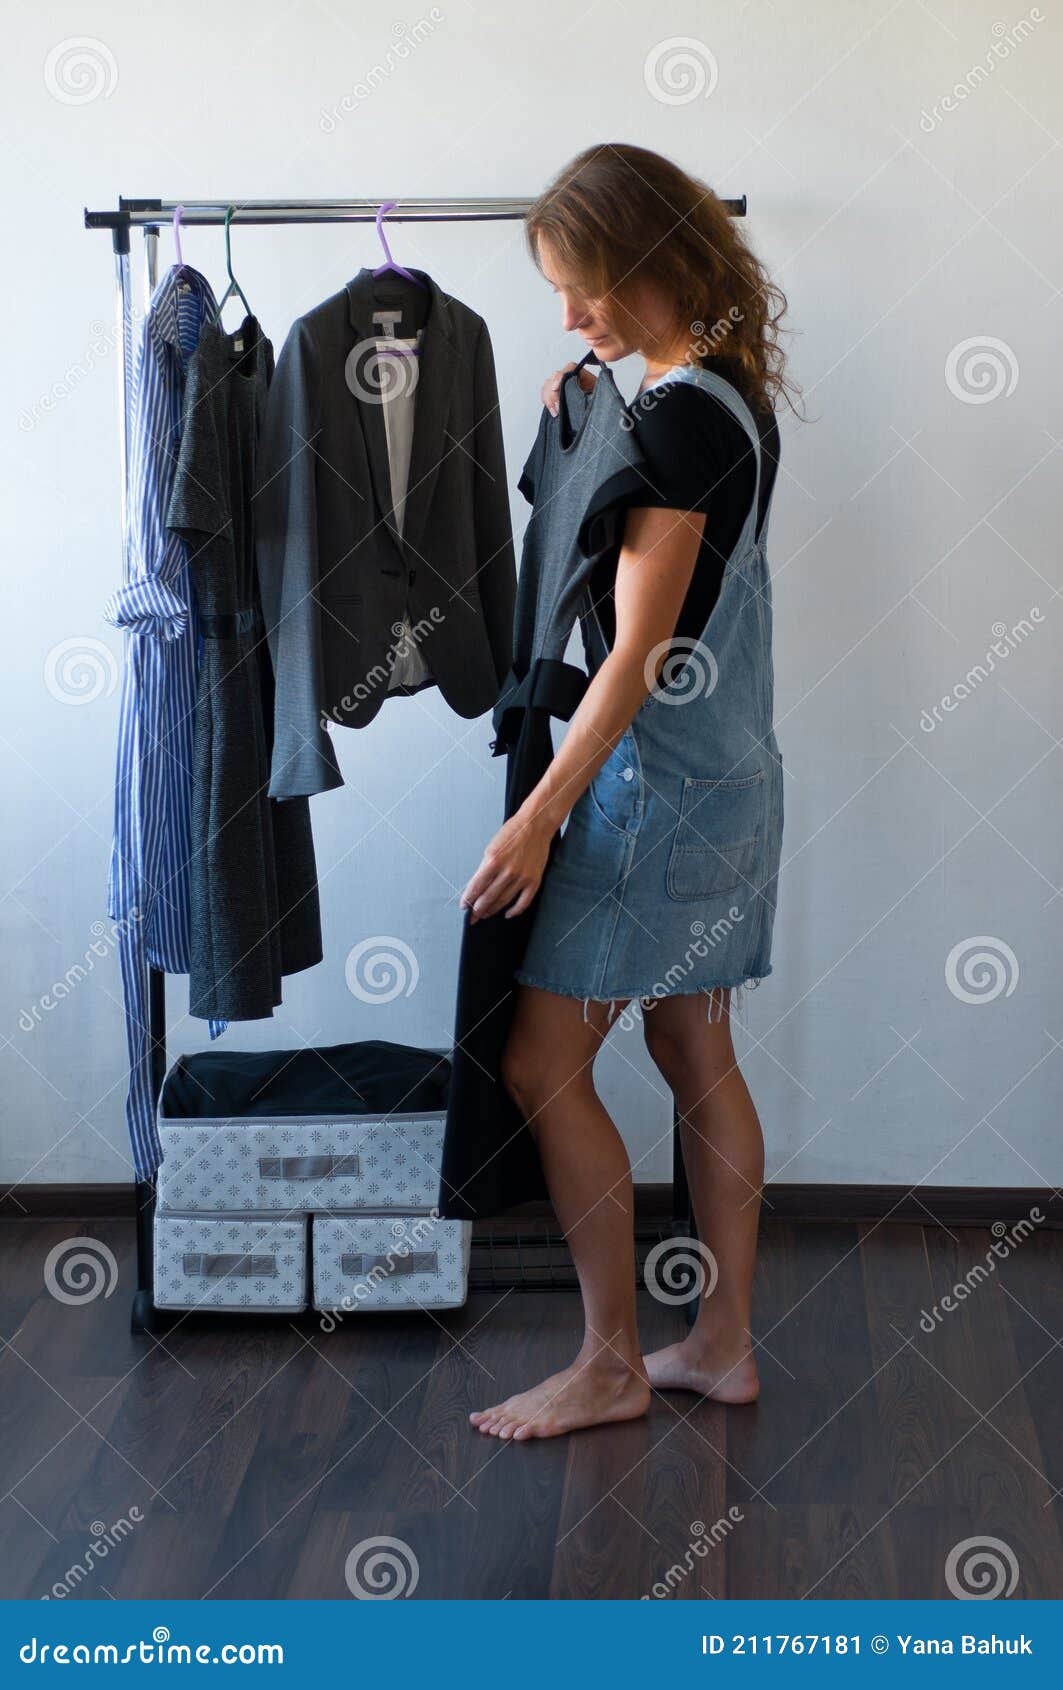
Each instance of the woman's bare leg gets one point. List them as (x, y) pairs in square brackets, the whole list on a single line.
[(723, 1152), (548, 1069)]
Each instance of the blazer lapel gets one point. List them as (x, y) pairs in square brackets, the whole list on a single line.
[(431, 443), (363, 382)]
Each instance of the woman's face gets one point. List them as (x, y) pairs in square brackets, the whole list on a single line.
[(597, 320)]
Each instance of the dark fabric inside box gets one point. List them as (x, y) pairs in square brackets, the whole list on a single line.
[(369, 1077)]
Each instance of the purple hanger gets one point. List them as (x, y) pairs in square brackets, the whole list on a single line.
[(391, 266)]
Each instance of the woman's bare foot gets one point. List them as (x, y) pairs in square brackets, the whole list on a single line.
[(693, 1366), (585, 1394)]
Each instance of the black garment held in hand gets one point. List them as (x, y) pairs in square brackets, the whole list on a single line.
[(584, 469)]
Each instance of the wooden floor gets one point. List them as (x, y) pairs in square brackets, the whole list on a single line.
[(252, 1462)]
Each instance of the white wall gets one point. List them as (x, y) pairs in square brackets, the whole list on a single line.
[(909, 523)]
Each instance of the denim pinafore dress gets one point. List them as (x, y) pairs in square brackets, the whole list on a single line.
[(664, 880)]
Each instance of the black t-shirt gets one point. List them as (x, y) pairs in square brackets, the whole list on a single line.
[(699, 459)]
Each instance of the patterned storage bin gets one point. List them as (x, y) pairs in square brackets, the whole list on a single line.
[(369, 1264), (293, 1165), (230, 1264)]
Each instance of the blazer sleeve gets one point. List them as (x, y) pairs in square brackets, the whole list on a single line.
[(495, 564), (286, 555)]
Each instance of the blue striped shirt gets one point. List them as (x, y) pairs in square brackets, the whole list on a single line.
[(148, 882)]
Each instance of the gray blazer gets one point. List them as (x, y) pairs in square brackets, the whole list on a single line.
[(335, 576)]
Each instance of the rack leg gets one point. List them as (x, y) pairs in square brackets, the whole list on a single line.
[(145, 1316)]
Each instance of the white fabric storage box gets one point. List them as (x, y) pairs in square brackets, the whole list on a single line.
[(230, 1264), (372, 1264), (295, 1164)]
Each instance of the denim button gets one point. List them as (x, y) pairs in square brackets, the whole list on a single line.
[(628, 774)]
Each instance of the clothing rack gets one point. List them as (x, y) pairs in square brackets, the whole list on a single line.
[(151, 215)]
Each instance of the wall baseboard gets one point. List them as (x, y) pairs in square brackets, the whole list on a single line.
[(928, 1205)]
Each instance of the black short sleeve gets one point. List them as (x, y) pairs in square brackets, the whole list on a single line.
[(602, 526), (693, 447), (198, 504), (529, 475), (695, 456)]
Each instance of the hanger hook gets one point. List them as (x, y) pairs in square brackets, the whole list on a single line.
[(228, 245), (177, 216), (385, 206)]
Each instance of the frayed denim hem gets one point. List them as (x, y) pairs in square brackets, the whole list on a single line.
[(714, 992)]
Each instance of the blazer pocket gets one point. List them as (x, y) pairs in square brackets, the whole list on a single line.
[(716, 837)]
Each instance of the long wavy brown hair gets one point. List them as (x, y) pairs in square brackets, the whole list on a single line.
[(617, 215)]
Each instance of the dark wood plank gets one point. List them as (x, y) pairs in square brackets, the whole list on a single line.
[(1031, 1281), (263, 1453), (917, 1417), (830, 1551), (811, 1436), (500, 1546)]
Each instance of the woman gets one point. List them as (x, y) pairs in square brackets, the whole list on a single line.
[(662, 889)]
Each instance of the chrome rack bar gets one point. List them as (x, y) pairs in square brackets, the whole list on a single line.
[(149, 213)]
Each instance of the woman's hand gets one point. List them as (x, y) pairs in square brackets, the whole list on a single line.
[(512, 868), (551, 393)]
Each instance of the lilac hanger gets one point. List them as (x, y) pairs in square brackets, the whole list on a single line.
[(391, 266), (177, 216)]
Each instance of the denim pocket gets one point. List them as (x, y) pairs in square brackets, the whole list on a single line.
[(716, 837), (615, 793)]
